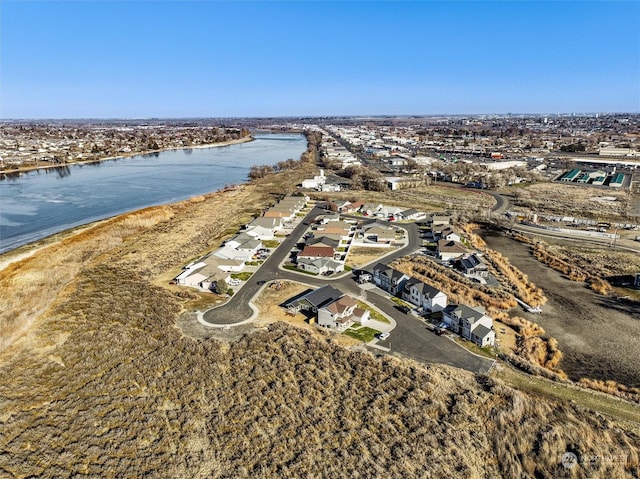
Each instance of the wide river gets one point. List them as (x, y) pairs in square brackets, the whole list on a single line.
[(43, 202)]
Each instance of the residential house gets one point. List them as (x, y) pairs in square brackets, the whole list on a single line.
[(448, 250), (437, 220), (471, 323), (286, 213), (341, 228), (263, 228), (411, 214), (444, 232), (319, 265), (241, 247), (316, 252), (294, 202), (348, 207), (341, 314), (472, 265), (202, 274), (389, 279), (370, 209), (388, 212), (424, 295), (379, 234), (332, 241), (314, 300)]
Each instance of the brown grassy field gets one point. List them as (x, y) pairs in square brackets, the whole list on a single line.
[(561, 199), (109, 378), (426, 198)]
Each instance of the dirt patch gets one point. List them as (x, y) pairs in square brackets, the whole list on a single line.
[(595, 334), (361, 256)]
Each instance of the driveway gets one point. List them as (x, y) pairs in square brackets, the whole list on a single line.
[(410, 337)]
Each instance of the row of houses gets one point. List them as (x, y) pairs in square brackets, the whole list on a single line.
[(325, 247), (471, 323), (232, 256), (330, 308)]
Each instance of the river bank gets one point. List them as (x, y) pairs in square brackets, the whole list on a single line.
[(40, 203), (4, 171)]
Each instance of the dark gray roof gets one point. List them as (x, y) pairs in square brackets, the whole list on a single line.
[(320, 297), (467, 312), (322, 240), (481, 330), (471, 261), (424, 288), (385, 270)]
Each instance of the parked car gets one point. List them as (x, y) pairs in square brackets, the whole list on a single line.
[(404, 309), (234, 282), (382, 336)]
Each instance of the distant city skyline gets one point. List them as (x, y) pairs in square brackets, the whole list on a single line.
[(163, 59)]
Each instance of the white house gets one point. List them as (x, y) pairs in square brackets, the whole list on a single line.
[(341, 314), (202, 274), (448, 250), (424, 296), (261, 233), (470, 323), (319, 265), (389, 279)]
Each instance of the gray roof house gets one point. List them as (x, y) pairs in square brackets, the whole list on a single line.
[(313, 300), (389, 279), (471, 323), (424, 295)]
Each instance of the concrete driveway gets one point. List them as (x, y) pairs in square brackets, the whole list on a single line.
[(410, 337)]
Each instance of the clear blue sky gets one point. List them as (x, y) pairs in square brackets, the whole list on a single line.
[(91, 59)]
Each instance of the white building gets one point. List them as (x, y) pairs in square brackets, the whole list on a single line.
[(424, 296), (341, 314), (470, 323)]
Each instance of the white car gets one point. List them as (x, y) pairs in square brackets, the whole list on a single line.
[(234, 282), (383, 336)]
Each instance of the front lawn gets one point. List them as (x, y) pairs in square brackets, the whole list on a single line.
[(399, 302), (245, 275), (295, 268), (363, 334), (270, 243), (373, 314)]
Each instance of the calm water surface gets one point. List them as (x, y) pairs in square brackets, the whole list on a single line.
[(43, 202)]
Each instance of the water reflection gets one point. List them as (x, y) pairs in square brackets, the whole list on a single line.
[(62, 171)]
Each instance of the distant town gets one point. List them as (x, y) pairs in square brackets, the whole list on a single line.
[(483, 151)]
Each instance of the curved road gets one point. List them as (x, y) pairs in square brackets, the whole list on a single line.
[(411, 337)]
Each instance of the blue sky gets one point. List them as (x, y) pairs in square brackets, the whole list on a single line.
[(120, 59)]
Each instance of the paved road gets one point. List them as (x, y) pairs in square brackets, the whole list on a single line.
[(411, 337), (237, 309)]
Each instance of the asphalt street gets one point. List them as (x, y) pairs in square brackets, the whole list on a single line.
[(411, 338)]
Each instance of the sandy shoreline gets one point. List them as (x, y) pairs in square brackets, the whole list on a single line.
[(25, 169)]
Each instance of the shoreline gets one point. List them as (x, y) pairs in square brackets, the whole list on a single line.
[(27, 169)]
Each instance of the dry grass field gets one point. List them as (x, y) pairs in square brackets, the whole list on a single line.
[(104, 374), (569, 200), (425, 198)]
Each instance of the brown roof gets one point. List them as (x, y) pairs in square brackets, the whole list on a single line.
[(340, 305), (276, 214), (448, 246)]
